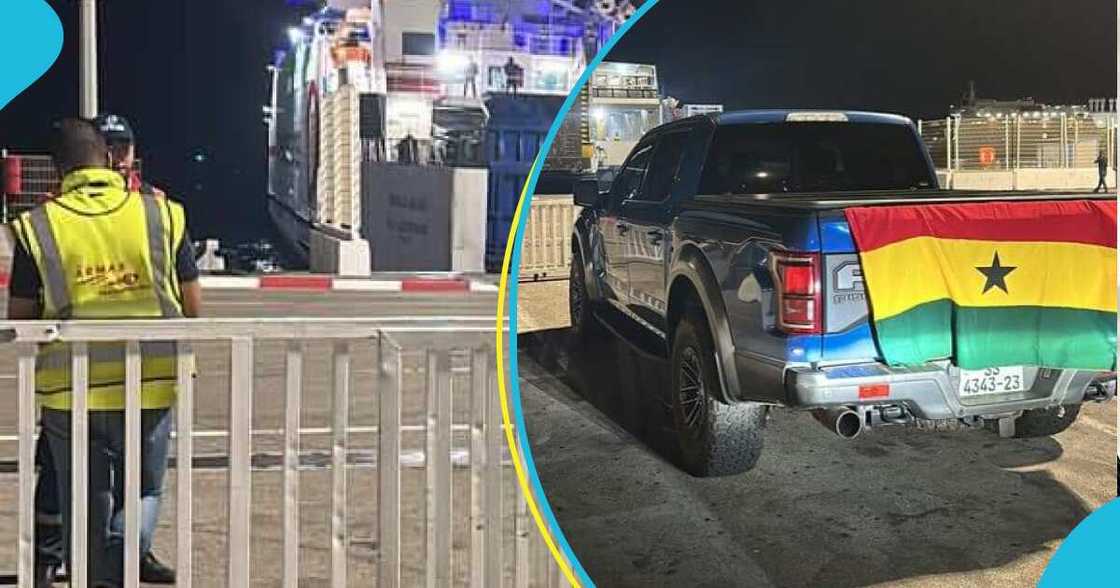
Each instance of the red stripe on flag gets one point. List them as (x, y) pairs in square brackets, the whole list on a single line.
[(296, 282), (435, 286), (1090, 222)]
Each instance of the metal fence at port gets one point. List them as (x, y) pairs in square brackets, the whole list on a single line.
[(546, 246), (27, 180), (489, 536), (1033, 140)]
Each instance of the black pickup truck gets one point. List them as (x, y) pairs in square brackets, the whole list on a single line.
[(724, 238)]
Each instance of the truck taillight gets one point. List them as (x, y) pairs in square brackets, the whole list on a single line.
[(797, 278)]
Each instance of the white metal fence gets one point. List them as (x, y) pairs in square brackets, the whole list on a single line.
[(502, 548), (546, 248), (1021, 141)]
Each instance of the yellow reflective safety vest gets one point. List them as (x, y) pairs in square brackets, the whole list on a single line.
[(103, 252)]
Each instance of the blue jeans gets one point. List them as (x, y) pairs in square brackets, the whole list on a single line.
[(106, 482), (49, 548)]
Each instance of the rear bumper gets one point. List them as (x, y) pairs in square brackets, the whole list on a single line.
[(930, 391)]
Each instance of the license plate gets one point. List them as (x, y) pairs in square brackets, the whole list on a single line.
[(998, 380)]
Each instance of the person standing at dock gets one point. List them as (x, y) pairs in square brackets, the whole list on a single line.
[(470, 83), (100, 251), (515, 76), (1102, 171)]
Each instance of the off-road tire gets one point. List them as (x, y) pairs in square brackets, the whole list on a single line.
[(1044, 422), (584, 324), (722, 439)]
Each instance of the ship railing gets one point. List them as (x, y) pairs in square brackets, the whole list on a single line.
[(495, 39), (416, 374)]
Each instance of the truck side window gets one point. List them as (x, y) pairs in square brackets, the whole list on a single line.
[(663, 168), (629, 180)]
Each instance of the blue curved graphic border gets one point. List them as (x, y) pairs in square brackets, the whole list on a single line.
[(515, 385), (30, 44), (1084, 559)]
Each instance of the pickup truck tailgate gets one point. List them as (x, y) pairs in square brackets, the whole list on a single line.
[(845, 307), (848, 333)]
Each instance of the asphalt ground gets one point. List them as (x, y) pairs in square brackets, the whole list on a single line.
[(894, 507), (210, 441)]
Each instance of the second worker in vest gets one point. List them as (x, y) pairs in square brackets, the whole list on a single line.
[(101, 251), (121, 139)]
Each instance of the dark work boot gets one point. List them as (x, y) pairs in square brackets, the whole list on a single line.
[(48, 549), (45, 574), (154, 572)]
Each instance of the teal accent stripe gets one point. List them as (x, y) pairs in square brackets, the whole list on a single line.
[(515, 262), (976, 338)]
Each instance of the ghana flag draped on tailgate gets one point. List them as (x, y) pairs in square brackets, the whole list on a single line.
[(992, 284)]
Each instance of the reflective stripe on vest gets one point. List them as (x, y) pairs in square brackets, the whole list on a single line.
[(103, 253), (54, 282), (157, 247)]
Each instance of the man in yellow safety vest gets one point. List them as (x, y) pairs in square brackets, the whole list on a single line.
[(100, 251), (121, 141)]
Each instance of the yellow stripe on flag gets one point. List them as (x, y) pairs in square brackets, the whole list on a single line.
[(914, 271)]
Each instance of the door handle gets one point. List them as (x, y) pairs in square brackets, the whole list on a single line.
[(623, 229)]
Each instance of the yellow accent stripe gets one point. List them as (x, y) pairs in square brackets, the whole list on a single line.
[(514, 449), (908, 273)]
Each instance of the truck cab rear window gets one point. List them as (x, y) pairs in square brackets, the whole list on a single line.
[(806, 157)]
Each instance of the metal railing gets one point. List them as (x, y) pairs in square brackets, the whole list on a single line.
[(38, 179), (546, 249), (403, 346), (1020, 141)]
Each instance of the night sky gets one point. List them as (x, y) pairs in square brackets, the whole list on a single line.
[(190, 74), (913, 57)]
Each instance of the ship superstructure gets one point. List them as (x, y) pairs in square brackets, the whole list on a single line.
[(386, 118), (615, 109)]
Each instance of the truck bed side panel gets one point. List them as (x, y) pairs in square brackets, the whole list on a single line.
[(736, 247)]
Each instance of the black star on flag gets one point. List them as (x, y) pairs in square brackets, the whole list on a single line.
[(995, 274)]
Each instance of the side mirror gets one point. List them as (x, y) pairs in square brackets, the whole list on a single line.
[(587, 193)]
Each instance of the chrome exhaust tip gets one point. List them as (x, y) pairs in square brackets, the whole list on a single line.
[(844, 422)]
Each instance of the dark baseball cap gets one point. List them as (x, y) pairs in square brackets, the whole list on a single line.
[(115, 129)]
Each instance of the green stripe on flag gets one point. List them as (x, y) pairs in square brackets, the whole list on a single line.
[(918, 335), (1000, 336)]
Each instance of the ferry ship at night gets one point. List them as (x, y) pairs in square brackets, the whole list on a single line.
[(391, 123)]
